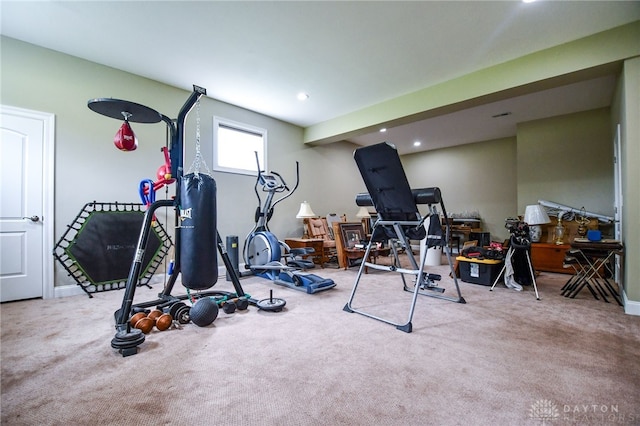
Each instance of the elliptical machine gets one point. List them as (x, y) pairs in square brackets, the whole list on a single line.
[(262, 251)]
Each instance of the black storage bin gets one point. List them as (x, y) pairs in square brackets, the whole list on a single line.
[(483, 272)]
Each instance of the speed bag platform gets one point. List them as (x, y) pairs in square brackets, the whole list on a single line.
[(198, 234)]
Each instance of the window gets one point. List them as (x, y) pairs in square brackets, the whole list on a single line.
[(235, 145)]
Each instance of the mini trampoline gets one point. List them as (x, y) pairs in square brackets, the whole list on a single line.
[(98, 247)]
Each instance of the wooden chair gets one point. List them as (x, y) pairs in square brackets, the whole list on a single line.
[(319, 229)]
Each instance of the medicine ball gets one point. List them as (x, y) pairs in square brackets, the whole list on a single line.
[(204, 312)]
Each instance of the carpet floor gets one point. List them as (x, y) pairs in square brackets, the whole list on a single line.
[(503, 358)]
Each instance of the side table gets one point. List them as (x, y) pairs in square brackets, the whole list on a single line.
[(315, 243), (356, 253)]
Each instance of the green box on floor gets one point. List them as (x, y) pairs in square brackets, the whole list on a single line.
[(479, 271)]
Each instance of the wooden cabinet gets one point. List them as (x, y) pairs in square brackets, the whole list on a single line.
[(549, 257)]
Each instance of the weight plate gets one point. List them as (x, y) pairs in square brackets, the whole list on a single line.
[(271, 305), (126, 340), (182, 314), (173, 310)]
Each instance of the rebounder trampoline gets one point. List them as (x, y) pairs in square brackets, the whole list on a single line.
[(97, 248)]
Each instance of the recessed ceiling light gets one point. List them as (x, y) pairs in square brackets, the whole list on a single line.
[(417, 143), (302, 96), (528, 1), (384, 129)]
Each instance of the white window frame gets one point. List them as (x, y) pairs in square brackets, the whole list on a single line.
[(219, 122)]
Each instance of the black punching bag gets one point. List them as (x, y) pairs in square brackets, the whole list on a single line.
[(198, 237)]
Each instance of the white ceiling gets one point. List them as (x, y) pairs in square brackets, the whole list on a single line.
[(347, 55)]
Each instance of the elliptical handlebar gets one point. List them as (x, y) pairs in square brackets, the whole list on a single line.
[(285, 187), (273, 183)]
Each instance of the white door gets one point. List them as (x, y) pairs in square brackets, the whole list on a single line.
[(26, 219)]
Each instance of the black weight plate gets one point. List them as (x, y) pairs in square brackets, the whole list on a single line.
[(271, 304), (182, 314), (173, 310), (126, 340)]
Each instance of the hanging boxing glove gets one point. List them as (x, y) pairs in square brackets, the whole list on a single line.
[(125, 139)]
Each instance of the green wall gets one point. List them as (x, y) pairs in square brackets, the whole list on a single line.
[(567, 160), (476, 177), (627, 107), (588, 57), (89, 168)]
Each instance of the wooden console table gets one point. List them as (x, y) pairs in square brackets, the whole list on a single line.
[(549, 257)]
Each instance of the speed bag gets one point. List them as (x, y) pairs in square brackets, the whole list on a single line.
[(198, 235)]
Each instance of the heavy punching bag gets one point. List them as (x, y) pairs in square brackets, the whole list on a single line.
[(198, 235)]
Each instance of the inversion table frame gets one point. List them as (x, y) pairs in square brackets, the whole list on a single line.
[(398, 217)]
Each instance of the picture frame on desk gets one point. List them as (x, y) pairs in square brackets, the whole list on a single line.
[(352, 234)]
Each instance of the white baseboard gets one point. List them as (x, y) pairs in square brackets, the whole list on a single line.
[(67, 290), (76, 290), (631, 307)]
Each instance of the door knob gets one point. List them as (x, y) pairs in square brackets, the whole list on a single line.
[(33, 218)]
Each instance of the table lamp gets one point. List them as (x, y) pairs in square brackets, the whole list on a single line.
[(305, 213), (559, 231), (364, 216), (534, 216)]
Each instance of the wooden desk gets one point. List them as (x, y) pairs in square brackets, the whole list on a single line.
[(315, 243)]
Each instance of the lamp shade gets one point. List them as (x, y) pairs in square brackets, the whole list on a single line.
[(536, 215), (305, 211), (363, 213)]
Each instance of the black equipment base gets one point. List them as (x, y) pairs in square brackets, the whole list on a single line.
[(126, 341)]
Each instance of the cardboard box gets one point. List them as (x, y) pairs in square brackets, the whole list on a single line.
[(477, 271)]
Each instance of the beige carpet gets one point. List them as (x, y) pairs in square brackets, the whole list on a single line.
[(503, 358)]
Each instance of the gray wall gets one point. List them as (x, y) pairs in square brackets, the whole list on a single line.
[(625, 111), (483, 176), (89, 168), (567, 160), (476, 177)]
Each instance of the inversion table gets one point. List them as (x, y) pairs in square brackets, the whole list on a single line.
[(399, 220)]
